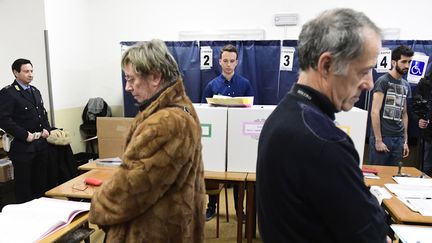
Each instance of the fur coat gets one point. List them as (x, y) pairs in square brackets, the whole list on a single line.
[(158, 193)]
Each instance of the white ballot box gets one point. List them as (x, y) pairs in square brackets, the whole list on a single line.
[(354, 123), (214, 135), (244, 128)]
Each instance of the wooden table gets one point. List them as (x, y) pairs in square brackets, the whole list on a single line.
[(400, 213), (238, 178), (76, 188), (396, 209), (387, 172), (79, 221)]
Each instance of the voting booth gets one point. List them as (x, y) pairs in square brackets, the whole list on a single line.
[(244, 128), (354, 123), (213, 136)]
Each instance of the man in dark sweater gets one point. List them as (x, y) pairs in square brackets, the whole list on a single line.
[(309, 184)]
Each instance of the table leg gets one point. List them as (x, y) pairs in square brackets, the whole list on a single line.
[(250, 211), (240, 212)]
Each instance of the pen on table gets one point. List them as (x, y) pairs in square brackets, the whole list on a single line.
[(425, 198)]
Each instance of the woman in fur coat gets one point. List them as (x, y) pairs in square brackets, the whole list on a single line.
[(158, 193)]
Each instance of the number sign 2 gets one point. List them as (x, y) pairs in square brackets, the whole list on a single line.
[(206, 57)]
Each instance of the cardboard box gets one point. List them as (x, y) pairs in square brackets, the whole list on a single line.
[(354, 123), (244, 128), (213, 136), (6, 170), (111, 134)]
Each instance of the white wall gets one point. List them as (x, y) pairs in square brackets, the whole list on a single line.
[(85, 35), (68, 25), (22, 25)]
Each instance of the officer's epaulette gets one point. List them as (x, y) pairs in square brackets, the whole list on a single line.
[(7, 86)]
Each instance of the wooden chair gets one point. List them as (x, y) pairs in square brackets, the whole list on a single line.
[(215, 191)]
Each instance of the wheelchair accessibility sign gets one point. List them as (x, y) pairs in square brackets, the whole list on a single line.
[(417, 68)]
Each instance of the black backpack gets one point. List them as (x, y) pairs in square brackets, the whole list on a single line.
[(92, 110), (90, 114)]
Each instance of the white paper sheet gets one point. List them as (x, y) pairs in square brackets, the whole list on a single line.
[(415, 181), (412, 233)]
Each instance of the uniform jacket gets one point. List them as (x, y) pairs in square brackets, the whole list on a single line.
[(158, 193), (21, 113)]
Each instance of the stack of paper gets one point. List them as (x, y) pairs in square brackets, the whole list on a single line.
[(421, 205), (380, 193), (415, 193), (370, 175), (245, 101), (415, 181), (410, 191), (114, 162), (412, 233)]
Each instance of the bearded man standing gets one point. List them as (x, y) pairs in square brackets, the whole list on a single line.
[(388, 142)]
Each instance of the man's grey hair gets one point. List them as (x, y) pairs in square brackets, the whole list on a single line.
[(338, 31), (152, 56)]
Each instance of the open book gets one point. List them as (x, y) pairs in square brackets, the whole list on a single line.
[(36, 219), (245, 101)]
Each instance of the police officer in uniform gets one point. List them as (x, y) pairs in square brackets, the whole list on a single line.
[(23, 116)]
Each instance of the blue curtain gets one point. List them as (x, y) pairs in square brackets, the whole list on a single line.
[(267, 54), (288, 78), (187, 55), (259, 62)]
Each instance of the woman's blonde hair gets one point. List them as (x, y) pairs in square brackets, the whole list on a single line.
[(151, 56)]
